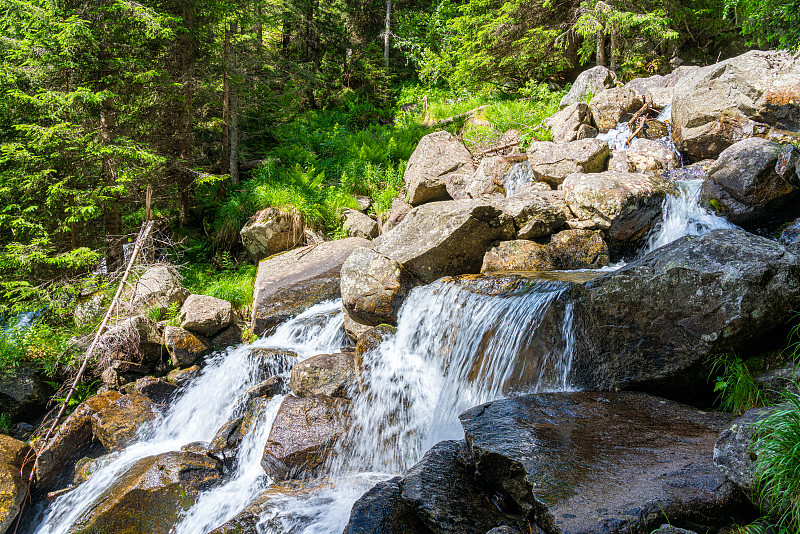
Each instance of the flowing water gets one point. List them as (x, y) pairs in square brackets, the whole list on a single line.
[(454, 348)]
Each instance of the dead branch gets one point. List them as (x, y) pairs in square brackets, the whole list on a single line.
[(459, 117)]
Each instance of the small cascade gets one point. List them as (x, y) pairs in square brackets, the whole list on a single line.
[(683, 215), (518, 175), (211, 400)]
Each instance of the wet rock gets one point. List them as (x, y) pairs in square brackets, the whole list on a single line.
[(445, 238), (625, 205), (552, 162), (230, 336), (137, 340), (603, 462), (776, 382), (303, 435), (353, 328), (489, 177), (715, 293), (272, 361), (358, 224), (382, 510), (654, 129), (371, 339), (72, 441), (157, 390), (227, 439), (400, 209), (669, 529), (184, 347), (610, 106), (589, 82), (271, 387), (719, 105), (124, 420), (13, 488), (695, 171), (569, 249), (333, 375), (566, 125), (151, 495), (732, 454), (788, 164), (205, 315), (159, 287), (437, 160), (86, 467), (270, 231), (23, 391), (743, 185), (181, 377), (289, 283), (536, 213), (373, 286)]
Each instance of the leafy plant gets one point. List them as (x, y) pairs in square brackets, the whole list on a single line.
[(5, 423), (777, 464), (737, 391)]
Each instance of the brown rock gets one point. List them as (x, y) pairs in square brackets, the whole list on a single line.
[(569, 249), (180, 377), (121, 422), (304, 435), (13, 489), (184, 347), (332, 375)]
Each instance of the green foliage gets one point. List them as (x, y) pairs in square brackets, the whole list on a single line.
[(777, 464), (83, 390), (42, 344), (5, 423), (774, 23), (737, 391), (233, 285)]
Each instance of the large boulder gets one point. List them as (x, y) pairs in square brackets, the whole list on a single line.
[(625, 205), (159, 287), (72, 441), (552, 162), (205, 315), (441, 494), (304, 435), (588, 83), (296, 280), (374, 286), (597, 463), (438, 159), (184, 347), (446, 238), (400, 208), (489, 177), (333, 375), (124, 420), (571, 123), (536, 213), (13, 489), (644, 156), (714, 293), (610, 106), (745, 96), (23, 391), (743, 185), (566, 250), (270, 231), (151, 495)]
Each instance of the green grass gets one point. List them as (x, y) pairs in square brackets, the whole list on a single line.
[(734, 384), (5, 423), (235, 285), (777, 464)]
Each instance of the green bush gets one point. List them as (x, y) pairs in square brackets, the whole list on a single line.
[(777, 464), (737, 391), (235, 286)]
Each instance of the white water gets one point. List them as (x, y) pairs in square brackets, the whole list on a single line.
[(518, 175), (211, 400), (683, 215)]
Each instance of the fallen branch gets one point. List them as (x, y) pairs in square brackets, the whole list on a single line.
[(458, 117), (638, 114), (498, 148), (634, 134)]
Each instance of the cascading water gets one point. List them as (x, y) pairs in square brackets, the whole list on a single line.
[(683, 215), (212, 399), (518, 175)]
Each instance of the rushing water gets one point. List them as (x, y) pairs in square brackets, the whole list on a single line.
[(454, 348), (683, 215)]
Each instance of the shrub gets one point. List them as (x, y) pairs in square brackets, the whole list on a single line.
[(737, 391)]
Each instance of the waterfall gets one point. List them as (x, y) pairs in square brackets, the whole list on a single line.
[(202, 407), (518, 175), (458, 343), (683, 215)]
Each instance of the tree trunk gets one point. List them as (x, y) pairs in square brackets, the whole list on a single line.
[(386, 33), (186, 47), (259, 29), (601, 48), (286, 33), (112, 213), (613, 51), (233, 109), (226, 58)]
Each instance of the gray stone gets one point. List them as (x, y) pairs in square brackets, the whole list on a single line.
[(270, 231), (610, 106), (358, 224), (552, 162), (288, 284), (205, 315), (159, 287), (568, 249), (569, 124), (23, 391), (333, 375), (733, 455), (400, 209), (589, 82), (536, 213), (437, 159), (743, 185)]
